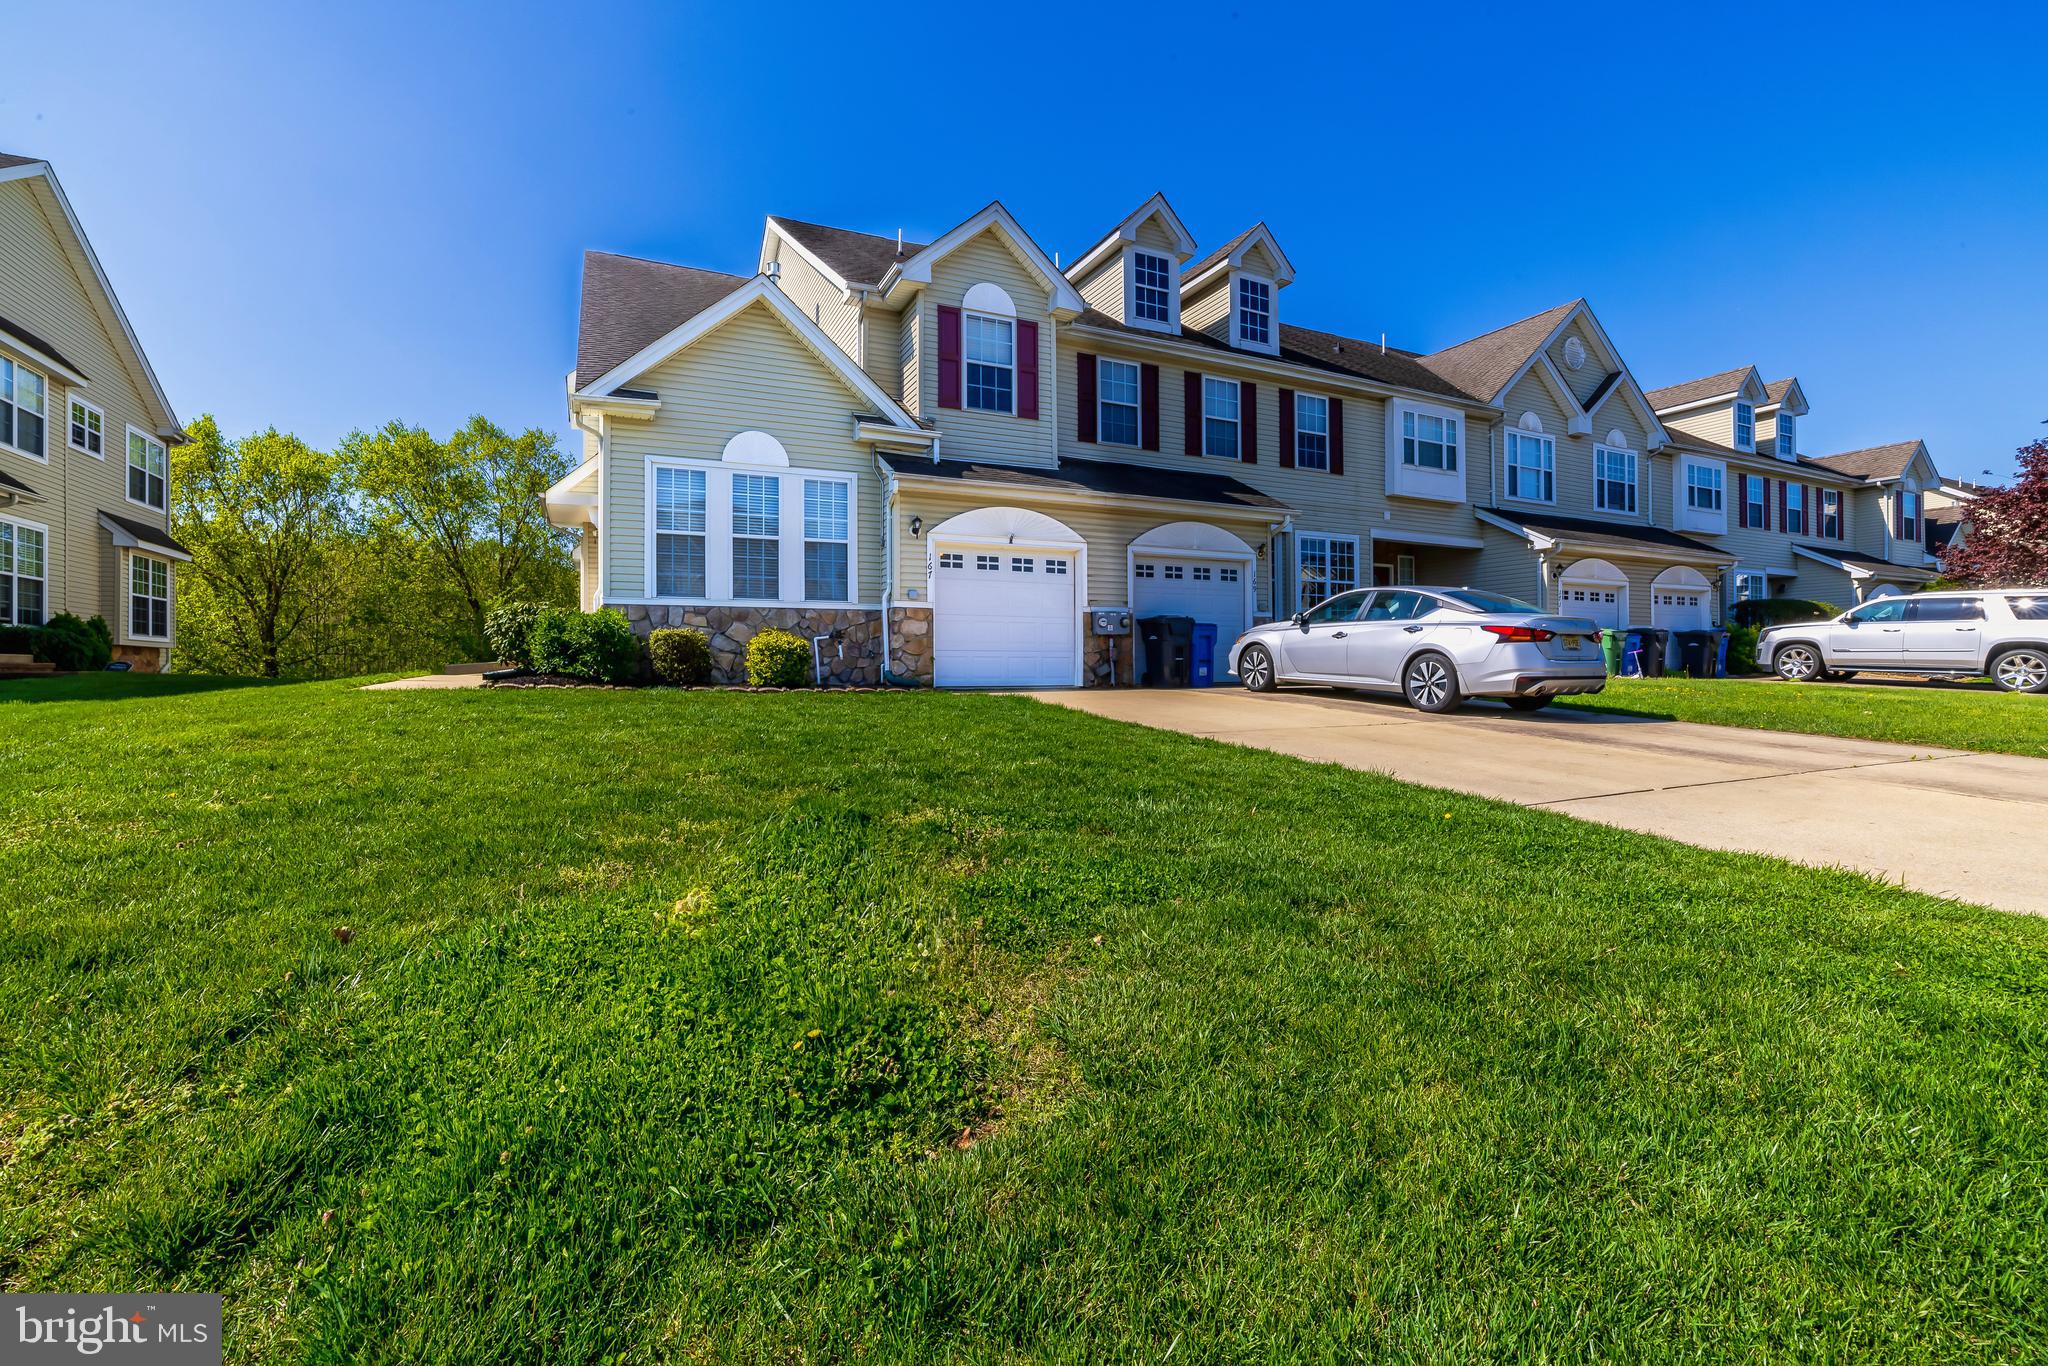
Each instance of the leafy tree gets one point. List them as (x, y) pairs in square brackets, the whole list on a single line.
[(2006, 542), (260, 516), (472, 506)]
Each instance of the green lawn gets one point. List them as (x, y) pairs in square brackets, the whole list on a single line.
[(1956, 718), (919, 1026)]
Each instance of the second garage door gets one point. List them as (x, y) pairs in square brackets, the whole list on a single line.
[(1004, 620), (1167, 585)]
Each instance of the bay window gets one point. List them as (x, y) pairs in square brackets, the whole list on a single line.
[(1151, 288), (826, 542), (1116, 402), (1532, 466), (1311, 432), (1220, 417), (756, 532), (680, 523), (1326, 566), (23, 582), (148, 471), (1614, 479), (149, 597), (1703, 487), (24, 404), (1428, 441), (991, 355)]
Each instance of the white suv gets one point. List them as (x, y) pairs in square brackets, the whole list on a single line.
[(2000, 632)]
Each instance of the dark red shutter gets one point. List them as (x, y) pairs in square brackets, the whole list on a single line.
[(1742, 503), (1336, 436), (1027, 370), (1783, 524), (1248, 422), (1842, 514), (949, 356), (1767, 505), (1286, 429), (1084, 398), (1191, 396), (1148, 412)]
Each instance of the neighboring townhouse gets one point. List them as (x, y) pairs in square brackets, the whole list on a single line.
[(958, 462), (85, 434)]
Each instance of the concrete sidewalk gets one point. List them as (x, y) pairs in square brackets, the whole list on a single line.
[(1954, 823)]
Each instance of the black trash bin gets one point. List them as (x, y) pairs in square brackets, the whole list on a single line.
[(1697, 651), (1656, 644), (1169, 645)]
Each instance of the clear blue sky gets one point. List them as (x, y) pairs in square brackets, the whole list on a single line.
[(327, 217)]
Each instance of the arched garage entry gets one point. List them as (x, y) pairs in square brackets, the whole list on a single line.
[(1681, 599), (1596, 590), (1009, 587), (1192, 569)]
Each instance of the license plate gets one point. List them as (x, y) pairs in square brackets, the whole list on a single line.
[(1574, 642)]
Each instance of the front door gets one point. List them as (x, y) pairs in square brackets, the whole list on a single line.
[(1943, 633), (1320, 647), (1869, 637)]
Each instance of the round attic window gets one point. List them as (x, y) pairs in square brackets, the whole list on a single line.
[(1574, 353)]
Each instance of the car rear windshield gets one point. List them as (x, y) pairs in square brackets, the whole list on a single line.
[(1474, 601), (2031, 609)]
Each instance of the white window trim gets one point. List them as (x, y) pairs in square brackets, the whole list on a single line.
[(1137, 407), (1778, 436), (1328, 538), (1686, 517), (1172, 323), (1236, 423), (136, 557), (808, 540), (1735, 579), (718, 534), (1548, 444), (1795, 495), (1299, 396), (1424, 481), (1010, 323), (1635, 481), (1735, 425), (43, 459), (1762, 503), (1271, 346), (125, 467), (73, 398), (18, 523), (1841, 499)]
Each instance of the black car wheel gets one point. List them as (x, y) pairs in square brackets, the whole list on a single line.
[(1255, 669), (1798, 663), (1430, 683), (2021, 670)]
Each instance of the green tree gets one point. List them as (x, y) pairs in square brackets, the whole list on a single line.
[(259, 516), (472, 506)]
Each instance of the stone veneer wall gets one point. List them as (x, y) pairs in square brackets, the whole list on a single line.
[(910, 642), (1097, 655), (147, 659), (852, 659)]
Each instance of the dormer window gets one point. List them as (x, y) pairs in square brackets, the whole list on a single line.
[(1151, 288), (1254, 312), (1788, 437), (1745, 426)]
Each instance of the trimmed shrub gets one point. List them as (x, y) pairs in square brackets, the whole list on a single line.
[(506, 628), (596, 645), (1771, 611), (778, 659), (73, 644), (17, 640), (1742, 649), (681, 656)]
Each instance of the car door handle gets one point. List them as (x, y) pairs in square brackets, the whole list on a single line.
[(1891, 630), (1339, 635), (1411, 630)]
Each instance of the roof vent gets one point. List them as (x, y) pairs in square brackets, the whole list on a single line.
[(899, 241)]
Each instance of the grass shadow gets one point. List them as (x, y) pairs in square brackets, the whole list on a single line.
[(117, 687)]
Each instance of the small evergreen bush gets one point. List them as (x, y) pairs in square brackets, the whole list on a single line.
[(681, 656), (72, 644), (1771, 611), (599, 646), (506, 628), (778, 659), (1742, 649)]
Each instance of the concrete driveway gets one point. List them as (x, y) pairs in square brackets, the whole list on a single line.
[(1950, 822)]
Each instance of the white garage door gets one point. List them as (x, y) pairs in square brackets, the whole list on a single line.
[(1604, 603), (1005, 619), (1682, 600), (1171, 586)]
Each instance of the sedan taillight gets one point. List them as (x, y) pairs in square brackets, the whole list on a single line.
[(1522, 635)]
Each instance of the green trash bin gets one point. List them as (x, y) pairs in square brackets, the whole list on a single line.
[(1611, 645)]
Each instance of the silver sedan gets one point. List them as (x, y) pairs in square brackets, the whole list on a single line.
[(1434, 646)]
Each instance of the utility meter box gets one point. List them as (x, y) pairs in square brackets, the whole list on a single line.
[(1109, 621)]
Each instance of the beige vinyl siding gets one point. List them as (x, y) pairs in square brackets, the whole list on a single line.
[(820, 300), (589, 569), (42, 292), (975, 435), (1108, 528), (1716, 424), (1102, 289), (751, 373), (1574, 454), (1508, 566), (1615, 415), (1209, 310), (1153, 236), (908, 391), (1819, 582), (881, 349), (1582, 382)]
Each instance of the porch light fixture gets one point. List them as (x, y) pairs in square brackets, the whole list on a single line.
[(916, 526)]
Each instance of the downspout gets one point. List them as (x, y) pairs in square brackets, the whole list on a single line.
[(889, 491)]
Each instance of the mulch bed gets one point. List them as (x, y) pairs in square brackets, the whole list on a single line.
[(531, 680)]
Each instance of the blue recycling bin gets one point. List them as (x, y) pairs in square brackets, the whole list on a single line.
[(1632, 655), (1721, 656), (1202, 655)]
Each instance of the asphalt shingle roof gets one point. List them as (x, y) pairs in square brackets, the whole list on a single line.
[(35, 343), (1315, 350), (1484, 365), (1776, 390), (1872, 462), (1585, 531), (861, 258), (145, 533), (8, 161), (8, 481), (1694, 390), (629, 301), (1217, 255), (1096, 476)]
